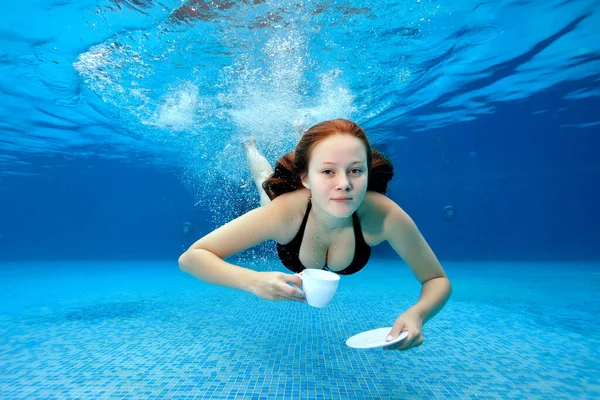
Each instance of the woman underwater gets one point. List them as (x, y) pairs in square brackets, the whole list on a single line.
[(325, 206)]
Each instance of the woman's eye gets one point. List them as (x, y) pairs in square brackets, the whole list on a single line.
[(352, 171)]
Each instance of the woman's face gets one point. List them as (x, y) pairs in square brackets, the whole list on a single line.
[(337, 174)]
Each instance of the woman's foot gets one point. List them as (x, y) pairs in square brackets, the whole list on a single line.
[(299, 125), (259, 166), (249, 143)]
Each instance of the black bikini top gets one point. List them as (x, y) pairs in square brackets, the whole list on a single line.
[(289, 254)]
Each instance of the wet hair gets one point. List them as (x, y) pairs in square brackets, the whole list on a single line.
[(289, 168)]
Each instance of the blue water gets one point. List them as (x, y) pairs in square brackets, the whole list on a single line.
[(146, 330), (121, 123)]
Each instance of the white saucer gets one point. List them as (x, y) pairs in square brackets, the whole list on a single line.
[(374, 338)]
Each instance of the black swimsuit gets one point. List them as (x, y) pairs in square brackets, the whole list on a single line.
[(289, 254)]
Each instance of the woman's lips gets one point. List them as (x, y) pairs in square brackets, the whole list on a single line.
[(345, 200)]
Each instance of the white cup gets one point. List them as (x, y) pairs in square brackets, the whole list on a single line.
[(319, 286)]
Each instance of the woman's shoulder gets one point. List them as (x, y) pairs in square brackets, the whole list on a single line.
[(292, 202), (376, 203), (372, 214), (289, 209)]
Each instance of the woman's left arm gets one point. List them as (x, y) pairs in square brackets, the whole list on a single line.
[(406, 239)]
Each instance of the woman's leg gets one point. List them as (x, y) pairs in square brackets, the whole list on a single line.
[(260, 167)]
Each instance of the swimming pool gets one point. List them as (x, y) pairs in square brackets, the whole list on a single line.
[(121, 130), (146, 330)]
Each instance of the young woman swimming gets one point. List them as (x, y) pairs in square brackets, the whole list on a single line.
[(325, 206)]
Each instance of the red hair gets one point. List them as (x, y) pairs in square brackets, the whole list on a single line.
[(289, 168)]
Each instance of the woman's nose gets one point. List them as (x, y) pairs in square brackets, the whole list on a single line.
[(344, 183)]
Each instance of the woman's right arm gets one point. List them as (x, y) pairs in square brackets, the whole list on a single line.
[(205, 259)]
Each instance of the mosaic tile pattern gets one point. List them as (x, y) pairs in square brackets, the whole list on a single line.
[(146, 330)]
